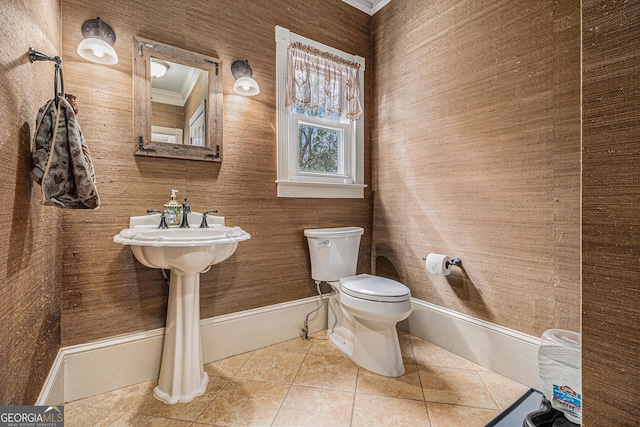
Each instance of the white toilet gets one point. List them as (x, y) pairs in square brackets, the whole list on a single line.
[(363, 309)]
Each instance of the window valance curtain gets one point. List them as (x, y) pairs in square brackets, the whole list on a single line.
[(318, 80)]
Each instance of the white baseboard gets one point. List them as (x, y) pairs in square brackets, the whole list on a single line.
[(88, 369), (499, 349)]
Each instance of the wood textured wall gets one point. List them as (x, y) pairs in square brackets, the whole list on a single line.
[(611, 213), (105, 291), (477, 155), (30, 234), (167, 115)]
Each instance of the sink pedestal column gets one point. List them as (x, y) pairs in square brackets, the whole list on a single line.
[(182, 375)]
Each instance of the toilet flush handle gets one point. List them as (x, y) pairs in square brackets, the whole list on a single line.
[(325, 243)]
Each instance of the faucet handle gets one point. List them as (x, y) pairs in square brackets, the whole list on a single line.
[(186, 210), (204, 224), (186, 207), (163, 218)]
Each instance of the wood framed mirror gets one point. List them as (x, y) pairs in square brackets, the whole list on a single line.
[(177, 102)]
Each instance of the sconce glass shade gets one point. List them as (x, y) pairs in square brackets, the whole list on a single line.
[(99, 51), (245, 84), (97, 44)]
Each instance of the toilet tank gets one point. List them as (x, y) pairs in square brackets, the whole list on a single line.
[(334, 252)]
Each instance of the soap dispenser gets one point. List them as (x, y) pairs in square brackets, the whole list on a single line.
[(172, 210)]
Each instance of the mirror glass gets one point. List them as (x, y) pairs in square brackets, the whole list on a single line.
[(178, 103), (178, 98)]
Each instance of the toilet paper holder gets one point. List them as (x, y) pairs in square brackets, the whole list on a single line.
[(454, 261)]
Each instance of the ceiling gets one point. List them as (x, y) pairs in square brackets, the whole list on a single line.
[(368, 6), (175, 86)]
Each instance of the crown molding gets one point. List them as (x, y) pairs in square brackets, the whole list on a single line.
[(368, 6)]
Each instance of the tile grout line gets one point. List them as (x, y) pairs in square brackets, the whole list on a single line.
[(229, 380), (293, 380), (424, 397), (355, 394), (116, 420), (490, 391), (211, 401)]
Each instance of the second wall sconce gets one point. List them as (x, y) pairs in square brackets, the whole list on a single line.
[(245, 84), (97, 45)]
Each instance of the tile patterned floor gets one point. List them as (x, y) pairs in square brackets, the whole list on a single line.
[(309, 383)]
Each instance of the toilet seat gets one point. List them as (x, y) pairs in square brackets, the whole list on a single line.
[(374, 288)]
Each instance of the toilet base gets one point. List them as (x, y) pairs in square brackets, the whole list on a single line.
[(372, 349), (372, 345)]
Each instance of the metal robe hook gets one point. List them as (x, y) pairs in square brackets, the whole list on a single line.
[(58, 78), (34, 56)]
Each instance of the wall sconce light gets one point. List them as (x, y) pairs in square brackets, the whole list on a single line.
[(99, 38), (245, 84), (158, 68)]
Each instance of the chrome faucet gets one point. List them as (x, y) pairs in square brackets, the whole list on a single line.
[(186, 210)]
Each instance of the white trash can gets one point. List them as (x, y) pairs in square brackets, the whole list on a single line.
[(560, 369)]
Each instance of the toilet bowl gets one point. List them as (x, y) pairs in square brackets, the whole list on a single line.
[(363, 309)]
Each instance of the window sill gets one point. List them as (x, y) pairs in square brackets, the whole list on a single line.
[(320, 190)]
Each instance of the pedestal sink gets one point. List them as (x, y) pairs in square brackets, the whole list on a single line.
[(187, 252)]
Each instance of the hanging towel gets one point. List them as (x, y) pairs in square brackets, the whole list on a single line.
[(62, 163)]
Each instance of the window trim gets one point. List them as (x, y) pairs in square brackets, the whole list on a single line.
[(287, 186)]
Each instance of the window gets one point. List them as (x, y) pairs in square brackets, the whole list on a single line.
[(320, 123)]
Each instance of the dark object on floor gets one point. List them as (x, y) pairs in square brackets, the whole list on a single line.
[(531, 410), (515, 414), (546, 416)]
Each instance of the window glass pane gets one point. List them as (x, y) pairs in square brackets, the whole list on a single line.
[(318, 148), (318, 112)]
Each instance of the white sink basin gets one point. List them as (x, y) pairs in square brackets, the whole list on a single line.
[(192, 236), (187, 252)]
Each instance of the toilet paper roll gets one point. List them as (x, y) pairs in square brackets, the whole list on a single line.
[(438, 264)]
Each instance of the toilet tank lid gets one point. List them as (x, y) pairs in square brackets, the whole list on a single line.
[(365, 284), (334, 233)]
